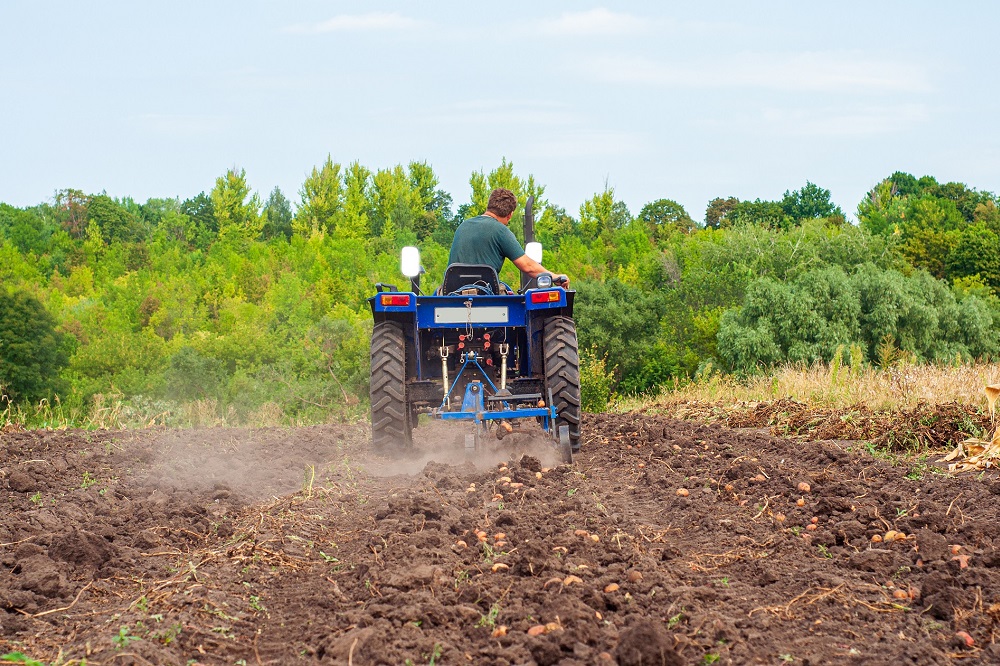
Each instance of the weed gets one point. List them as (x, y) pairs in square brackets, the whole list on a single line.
[(19, 658), (724, 581), (786, 657), (796, 529), (328, 558), (36, 498), (142, 605), (256, 605), (490, 619), (571, 492), (88, 480), (462, 577), (168, 635), (675, 620), (124, 638), (825, 552), (710, 658)]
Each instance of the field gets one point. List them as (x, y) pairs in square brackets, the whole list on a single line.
[(667, 542)]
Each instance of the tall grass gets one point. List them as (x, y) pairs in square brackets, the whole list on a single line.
[(837, 385), (114, 411)]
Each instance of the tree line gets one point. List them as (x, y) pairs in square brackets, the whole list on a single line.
[(259, 303)]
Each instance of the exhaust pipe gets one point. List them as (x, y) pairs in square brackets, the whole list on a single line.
[(529, 233)]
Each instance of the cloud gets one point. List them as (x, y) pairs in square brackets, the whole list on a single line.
[(810, 72), (584, 143), (182, 124), (861, 121), (374, 21), (593, 23), (493, 113)]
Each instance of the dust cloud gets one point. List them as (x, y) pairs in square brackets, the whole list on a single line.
[(443, 442)]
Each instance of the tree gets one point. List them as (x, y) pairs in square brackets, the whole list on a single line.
[(322, 199), (603, 213), (236, 208), (355, 221), (812, 201), (664, 216), (768, 214), (115, 222), (716, 215), (31, 350), (278, 214), (71, 211)]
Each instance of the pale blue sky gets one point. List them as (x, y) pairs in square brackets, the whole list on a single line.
[(686, 101)]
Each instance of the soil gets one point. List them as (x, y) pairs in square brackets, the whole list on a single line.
[(666, 542)]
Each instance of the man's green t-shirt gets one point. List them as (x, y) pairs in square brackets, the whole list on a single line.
[(484, 240)]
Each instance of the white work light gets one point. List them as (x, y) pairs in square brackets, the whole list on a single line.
[(534, 251), (410, 262)]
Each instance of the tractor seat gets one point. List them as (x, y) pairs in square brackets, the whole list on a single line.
[(459, 278)]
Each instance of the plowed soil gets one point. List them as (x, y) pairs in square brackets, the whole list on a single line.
[(666, 542)]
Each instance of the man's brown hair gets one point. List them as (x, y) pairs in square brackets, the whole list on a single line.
[(502, 202)]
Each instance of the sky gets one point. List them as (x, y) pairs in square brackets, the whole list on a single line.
[(684, 101)]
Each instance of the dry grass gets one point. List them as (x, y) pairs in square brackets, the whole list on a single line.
[(837, 386)]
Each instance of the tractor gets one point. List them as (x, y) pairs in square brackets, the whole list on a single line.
[(475, 350)]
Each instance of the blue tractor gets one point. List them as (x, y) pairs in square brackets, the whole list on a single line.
[(476, 351)]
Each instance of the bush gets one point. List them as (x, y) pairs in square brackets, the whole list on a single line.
[(595, 381), (31, 350)]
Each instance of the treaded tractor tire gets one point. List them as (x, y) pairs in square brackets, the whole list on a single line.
[(392, 429), (562, 374)]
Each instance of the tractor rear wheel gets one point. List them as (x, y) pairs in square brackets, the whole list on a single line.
[(392, 426), (562, 374)]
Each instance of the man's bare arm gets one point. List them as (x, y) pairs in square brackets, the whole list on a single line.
[(528, 265)]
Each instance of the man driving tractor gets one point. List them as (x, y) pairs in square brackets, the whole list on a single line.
[(485, 239)]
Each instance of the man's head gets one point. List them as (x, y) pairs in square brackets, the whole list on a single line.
[(502, 204)]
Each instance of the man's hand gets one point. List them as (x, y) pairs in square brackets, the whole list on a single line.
[(561, 281)]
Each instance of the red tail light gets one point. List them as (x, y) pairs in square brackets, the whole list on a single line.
[(395, 299), (545, 297)]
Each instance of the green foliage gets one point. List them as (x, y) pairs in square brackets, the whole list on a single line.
[(809, 202), (32, 352), (665, 216), (595, 381), (810, 318), (278, 216), (259, 310)]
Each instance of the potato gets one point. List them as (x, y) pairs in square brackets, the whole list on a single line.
[(965, 638), (536, 630), (552, 581), (634, 576), (683, 492), (803, 487), (611, 587), (595, 538), (581, 533), (500, 631), (876, 538), (499, 566), (811, 526), (800, 502), (499, 536), (571, 579), (900, 594)]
